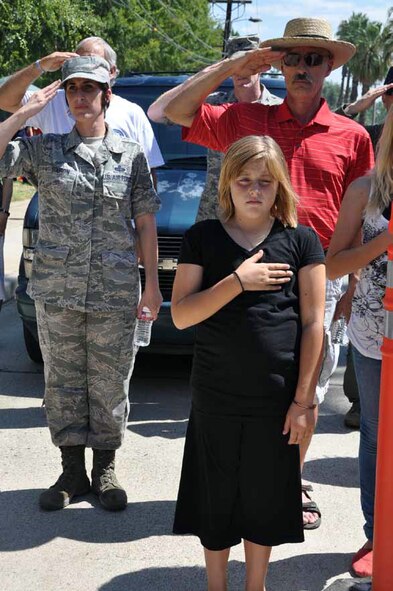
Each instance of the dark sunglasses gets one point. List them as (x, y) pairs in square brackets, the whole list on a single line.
[(311, 59)]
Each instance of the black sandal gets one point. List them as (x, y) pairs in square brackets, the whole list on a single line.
[(310, 507)]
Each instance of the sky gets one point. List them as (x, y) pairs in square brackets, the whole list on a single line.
[(275, 15)]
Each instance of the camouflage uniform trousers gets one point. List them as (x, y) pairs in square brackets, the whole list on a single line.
[(88, 362)]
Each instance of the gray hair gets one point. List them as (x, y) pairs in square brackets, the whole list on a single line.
[(109, 53)]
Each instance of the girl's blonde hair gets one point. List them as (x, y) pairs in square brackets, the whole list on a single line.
[(264, 148), (382, 175)]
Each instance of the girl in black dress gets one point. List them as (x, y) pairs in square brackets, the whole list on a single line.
[(253, 284)]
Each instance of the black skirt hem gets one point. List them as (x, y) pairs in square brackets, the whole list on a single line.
[(238, 540)]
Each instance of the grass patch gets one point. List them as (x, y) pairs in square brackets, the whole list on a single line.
[(22, 191)]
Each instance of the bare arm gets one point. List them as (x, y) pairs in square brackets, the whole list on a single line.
[(342, 257), (191, 306), (14, 89), (156, 111), (10, 126), (366, 101), (147, 238), (300, 422), (344, 304), (186, 101)]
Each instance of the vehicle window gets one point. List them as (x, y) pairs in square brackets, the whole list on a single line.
[(168, 136)]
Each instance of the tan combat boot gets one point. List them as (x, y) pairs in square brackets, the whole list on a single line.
[(72, 482), (104, 483)]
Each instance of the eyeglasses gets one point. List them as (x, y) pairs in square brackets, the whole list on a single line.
[(311, 59)]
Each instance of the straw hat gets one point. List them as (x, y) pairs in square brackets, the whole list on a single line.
[(312, 32)]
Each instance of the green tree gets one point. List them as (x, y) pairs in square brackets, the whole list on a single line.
[(368, 64), (163, 35), (160, 35), (331, 92), (374, 43), (351, 30), (31, 29)]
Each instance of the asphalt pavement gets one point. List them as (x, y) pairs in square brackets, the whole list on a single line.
[(84, 548)]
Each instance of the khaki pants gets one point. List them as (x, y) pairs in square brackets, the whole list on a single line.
[(88, 362)]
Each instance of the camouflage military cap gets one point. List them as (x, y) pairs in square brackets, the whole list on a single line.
[(91, 67), (235, 44)]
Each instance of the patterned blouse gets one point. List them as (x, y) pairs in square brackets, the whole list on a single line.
[(366, 326)]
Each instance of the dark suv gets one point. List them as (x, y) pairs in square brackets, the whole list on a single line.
[(180, 185)]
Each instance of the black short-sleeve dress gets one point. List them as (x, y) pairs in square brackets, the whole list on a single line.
[(240, 478)]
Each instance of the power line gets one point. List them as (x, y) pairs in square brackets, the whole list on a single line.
[(228, 17), (154, 27), (177, 16)]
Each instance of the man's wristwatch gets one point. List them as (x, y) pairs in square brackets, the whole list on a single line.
[(3, 210)]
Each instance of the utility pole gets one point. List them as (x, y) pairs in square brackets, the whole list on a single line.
[(228, 18)]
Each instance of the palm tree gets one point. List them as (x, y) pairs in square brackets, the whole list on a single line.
[(368, 64), (387, 38), (351, 30), (374, 43), (344, 73)]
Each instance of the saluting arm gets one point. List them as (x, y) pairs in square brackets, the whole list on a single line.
[(156, 111), (17, 121), (14, 89), (183, 107)]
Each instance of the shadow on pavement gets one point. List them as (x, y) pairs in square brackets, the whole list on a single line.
[(171, 430), (332, 423), (300, 573), (22, 418), (23, 384), (160, 411), (24, 525), (157, 366), (160, 579), (170, 402), (333, 471), (167, 579), (307, 572)]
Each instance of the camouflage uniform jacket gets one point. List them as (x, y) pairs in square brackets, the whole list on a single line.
[(85, 255), (208, 203)]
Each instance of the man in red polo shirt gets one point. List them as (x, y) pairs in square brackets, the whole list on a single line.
[(325, 152)]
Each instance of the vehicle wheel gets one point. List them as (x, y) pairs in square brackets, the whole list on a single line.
[(32, 346)]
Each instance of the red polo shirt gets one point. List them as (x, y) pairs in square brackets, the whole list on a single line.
[(323, 157)]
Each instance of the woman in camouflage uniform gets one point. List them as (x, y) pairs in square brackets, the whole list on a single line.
[(95, 193)]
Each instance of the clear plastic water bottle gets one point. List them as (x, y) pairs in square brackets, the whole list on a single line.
[(339, 332), (143, 328)]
